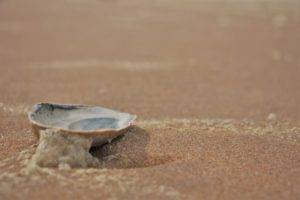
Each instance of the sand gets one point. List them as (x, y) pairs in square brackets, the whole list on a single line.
[(181, 159), (215, 86), (57, 149)]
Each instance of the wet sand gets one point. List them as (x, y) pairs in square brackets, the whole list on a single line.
[(203, 77)]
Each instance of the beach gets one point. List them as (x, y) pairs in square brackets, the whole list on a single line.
[(215, 86)]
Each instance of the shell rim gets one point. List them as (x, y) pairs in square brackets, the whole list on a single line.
[(86, 133)]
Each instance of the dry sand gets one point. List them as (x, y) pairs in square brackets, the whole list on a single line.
[(215, 85), (173, 159)]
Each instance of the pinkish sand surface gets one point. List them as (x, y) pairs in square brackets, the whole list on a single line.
[(215, 85)]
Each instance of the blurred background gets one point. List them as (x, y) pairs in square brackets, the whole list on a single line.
[(158, 58)]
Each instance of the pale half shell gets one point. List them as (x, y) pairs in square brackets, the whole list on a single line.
[(91, 121)]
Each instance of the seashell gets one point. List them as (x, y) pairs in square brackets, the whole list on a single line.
[(101, 124)]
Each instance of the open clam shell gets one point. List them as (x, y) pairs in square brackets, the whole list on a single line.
[(101, 124)]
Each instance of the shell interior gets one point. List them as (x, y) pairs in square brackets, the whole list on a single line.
[(79, 118)]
